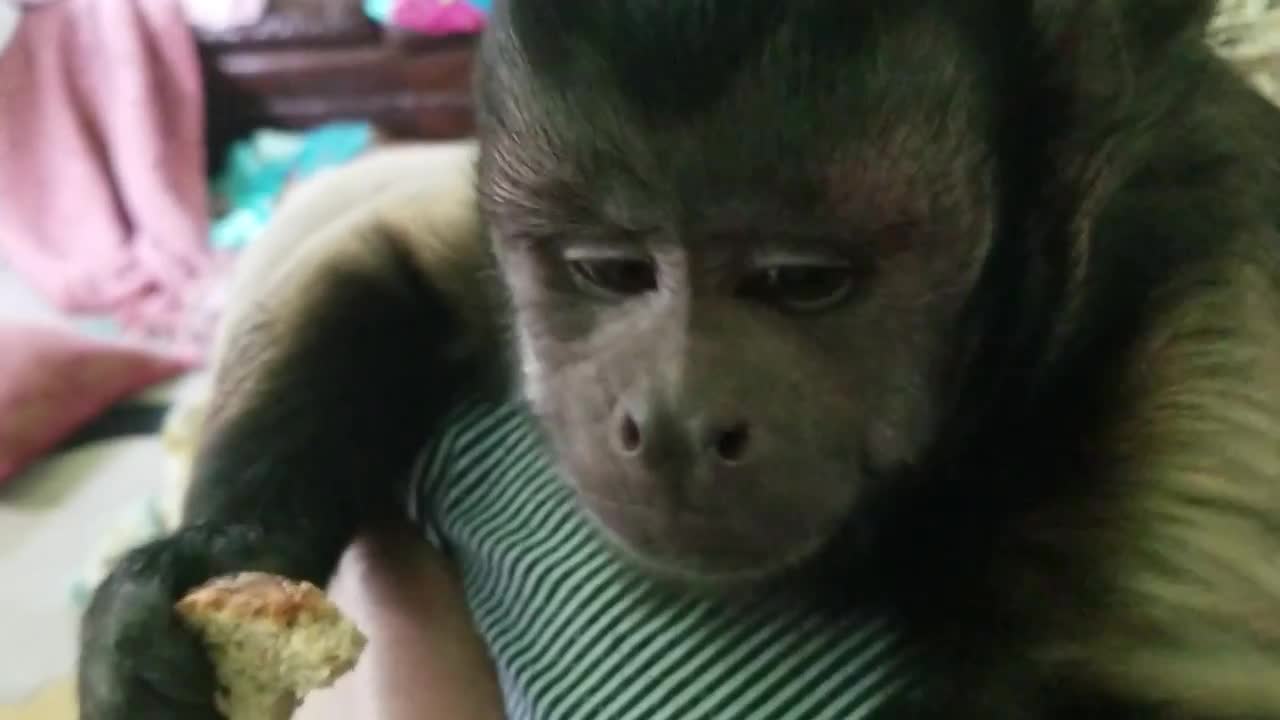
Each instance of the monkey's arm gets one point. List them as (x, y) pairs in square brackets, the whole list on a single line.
[(331, 384), (326, 387)]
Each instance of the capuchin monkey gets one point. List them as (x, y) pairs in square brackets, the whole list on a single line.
[(970, 309)]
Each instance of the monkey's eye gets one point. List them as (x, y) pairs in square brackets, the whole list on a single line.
[(615, 276), (801, 287)]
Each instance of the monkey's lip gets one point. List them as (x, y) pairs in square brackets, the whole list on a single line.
[(677, 535), (652, 511)]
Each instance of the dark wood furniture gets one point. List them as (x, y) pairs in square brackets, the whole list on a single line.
[(313, 61)]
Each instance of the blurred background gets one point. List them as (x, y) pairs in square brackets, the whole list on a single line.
[(143, 146)]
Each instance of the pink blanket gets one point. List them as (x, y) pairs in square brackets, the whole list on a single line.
[(103, 203), (53, 380)]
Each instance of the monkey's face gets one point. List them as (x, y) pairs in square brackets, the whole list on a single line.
[(734, 320)]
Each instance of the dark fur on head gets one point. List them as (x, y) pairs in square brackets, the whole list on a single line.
[(962, 150), (673, 58), (839, 170)]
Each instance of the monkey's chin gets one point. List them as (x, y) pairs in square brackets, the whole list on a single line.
[(698, 565)]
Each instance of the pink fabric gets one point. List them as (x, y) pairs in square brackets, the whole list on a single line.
[(103, 204), (437, 17), (54, 380)]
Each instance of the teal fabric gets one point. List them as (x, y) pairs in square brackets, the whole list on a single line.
[(378, 11), (259, 167), (579, 635)]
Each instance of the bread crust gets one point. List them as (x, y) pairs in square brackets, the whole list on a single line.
[(272, 640)]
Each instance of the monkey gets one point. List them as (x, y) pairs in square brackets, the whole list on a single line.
[(968, 312)]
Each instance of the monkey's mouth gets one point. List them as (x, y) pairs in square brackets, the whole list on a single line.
[(703, 546)]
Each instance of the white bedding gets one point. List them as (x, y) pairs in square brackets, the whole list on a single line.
[(51, 520)]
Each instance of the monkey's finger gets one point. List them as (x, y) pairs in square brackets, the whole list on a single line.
[(178, 668), (146, 702)]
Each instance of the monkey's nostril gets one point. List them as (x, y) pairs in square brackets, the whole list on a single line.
[(731, 445), (629, 438)]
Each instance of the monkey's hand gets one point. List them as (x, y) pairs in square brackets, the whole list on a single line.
[(329, 379), (138, 660)]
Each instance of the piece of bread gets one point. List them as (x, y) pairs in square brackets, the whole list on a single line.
[(272, 640)]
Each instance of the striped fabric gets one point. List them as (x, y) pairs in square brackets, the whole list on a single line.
[(578, 635)]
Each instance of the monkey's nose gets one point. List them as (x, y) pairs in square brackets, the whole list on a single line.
[(630, 438), (731, 444), (636, 432)]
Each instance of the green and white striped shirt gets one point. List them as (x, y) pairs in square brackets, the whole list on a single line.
[(579, 635)]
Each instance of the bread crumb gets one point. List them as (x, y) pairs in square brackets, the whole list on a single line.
[(272, 640)]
